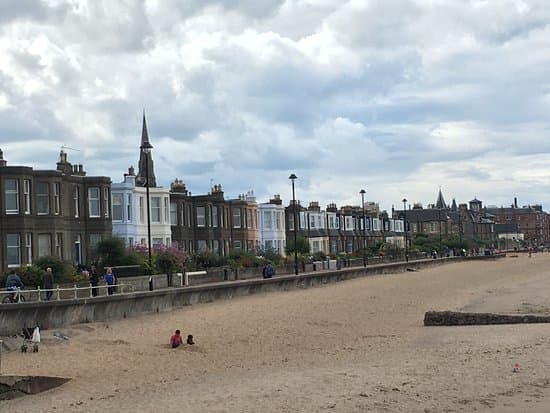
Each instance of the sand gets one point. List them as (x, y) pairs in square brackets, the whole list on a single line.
[(355, 346)]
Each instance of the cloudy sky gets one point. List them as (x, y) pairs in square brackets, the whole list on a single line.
[(397, 97)]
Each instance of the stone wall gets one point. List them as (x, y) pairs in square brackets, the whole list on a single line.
[(55, 314)]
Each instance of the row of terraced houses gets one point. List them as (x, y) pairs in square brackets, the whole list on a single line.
[(64, 212)]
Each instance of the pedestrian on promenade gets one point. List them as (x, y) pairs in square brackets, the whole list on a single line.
[(94, 279), (48, 283), (109, 280)]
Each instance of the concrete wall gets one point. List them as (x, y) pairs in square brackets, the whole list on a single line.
[(55, 314)]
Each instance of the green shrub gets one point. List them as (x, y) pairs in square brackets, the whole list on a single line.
[(63, 271)]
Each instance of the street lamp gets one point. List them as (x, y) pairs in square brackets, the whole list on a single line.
[(405, 227), (293, 177), (363, 192), (146, 150), (439, 216)]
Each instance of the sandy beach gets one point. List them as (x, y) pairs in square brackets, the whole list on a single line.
[(353, 346)]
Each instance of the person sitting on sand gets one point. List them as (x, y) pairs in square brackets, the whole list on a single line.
[(176, 339)]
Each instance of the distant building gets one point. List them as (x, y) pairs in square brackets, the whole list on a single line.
[(533, 224), (61, 213)]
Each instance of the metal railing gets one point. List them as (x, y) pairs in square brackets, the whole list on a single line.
[(66, 293)]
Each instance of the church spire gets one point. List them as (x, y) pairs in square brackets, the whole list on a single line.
[(440, 204), (145, 158)]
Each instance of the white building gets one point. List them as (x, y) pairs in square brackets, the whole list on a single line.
[(129, 204), (271, 225)]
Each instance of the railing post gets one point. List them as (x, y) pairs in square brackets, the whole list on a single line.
[(39, 295), (186, 278), (91, 293), (58, 298), (75, 292)]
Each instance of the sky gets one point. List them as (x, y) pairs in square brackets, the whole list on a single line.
[(395, 97)]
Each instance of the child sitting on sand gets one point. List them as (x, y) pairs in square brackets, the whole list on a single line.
[(176, 339)]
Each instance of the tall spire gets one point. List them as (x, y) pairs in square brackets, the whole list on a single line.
[(440, 204), (145, 158), (144, 133)]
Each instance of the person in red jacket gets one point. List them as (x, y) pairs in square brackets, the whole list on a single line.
[(176, 339)]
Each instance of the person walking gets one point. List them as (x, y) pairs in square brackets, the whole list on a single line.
[(48, 283), (94, 280), (109, 280)]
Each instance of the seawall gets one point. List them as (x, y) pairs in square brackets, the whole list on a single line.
[(56, 314)]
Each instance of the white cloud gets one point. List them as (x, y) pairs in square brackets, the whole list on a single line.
[(396, 96)]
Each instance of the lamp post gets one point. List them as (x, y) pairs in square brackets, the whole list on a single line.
[(146, 149), (363, 192), (439, 216), (293, 177), (405, 227)]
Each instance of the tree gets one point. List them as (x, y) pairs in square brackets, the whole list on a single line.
[(302, 246), (169, 260), (111, 250)]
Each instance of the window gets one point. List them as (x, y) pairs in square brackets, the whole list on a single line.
[(249, 245), (130, 241), (27, 196), (12, 196), (201, 245), (157, 241), (155, 209), (237, 244), (94, 240), (13, 250), (44, 245), (201, 218), (93, 202), (106, 208), (59, 244), (42, 198), (312, 221), (28, 247), (267, 220), (236, 218), (166, 211), (76, 197), (117, 207), (278, 220), (291, 222), (216, 246), (56, 199), (214, 217), (268, 245), (129, 208), (315, 246), (168, 242), (141, 210), (249, 219), (173, 213)]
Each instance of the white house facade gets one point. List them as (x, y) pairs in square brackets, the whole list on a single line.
[(271, 226)]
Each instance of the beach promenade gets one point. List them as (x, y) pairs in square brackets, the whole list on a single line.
[(354, 346)]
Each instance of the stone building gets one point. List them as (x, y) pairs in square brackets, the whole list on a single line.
[(212, 223), (61, 213), (533, 224)]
